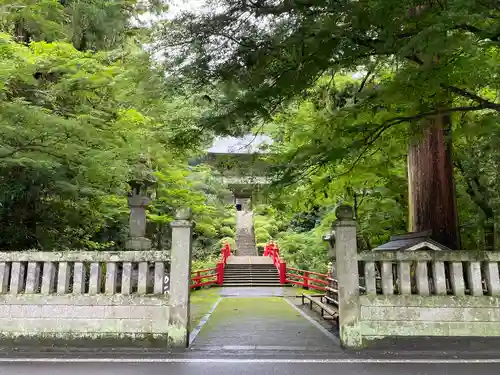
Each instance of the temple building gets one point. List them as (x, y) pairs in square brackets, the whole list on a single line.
[(242, 164)]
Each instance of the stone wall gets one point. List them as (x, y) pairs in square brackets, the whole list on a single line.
[(413, 293), (83, 319), (383, 316), (430, 293)]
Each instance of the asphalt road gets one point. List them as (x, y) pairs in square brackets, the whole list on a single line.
[(238, 367)]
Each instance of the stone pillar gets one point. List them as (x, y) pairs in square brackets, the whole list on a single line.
[(347, 276), (180, 278), (137, 223)]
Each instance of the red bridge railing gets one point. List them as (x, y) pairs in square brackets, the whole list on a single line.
[(288, 275), (272, 250), (306, 279), (211, 276)]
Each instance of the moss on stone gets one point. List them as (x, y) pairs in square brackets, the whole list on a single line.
[(42, 341), (239, 309), (430, 301)]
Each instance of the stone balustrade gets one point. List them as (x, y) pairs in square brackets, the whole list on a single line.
[(80, 297), (404, 293), (427, 273), (99, 298), (84, 272)]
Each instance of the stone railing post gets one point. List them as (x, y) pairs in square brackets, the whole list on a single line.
[(180, 278), (347, 276)]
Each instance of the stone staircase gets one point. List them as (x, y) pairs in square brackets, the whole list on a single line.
[(245, 239), (251, 275)]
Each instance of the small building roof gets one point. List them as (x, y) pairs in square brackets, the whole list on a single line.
[(412, 242), (248, 144)]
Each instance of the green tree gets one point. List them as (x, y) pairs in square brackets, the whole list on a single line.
[(424, 62)]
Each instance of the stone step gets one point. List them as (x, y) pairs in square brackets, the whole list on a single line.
[(251, 281), (244, 274), (231, 267), (255, 271), (250, 285), (250, 278), (249, 272), (256, 263), (237, 277)]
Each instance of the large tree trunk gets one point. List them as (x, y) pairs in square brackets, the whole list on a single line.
[(432, 197)]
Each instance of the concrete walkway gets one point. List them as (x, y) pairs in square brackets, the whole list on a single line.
[(262, 323)]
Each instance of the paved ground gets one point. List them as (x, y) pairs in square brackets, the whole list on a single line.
[(261, 331), (262, 323), (246, 368)]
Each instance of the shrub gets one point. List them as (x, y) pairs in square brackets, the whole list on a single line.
[(271, 229), (264, 210), (202, 264), (226, 232), (229, 222), (229, 240), (304, 250), (262, 235), (263, 220), (206, 230)]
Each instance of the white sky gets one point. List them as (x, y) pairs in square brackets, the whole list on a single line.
[(175, 7)]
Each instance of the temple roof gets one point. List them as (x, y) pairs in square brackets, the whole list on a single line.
[(412, 242)]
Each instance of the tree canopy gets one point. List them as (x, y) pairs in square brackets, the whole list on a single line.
[(81, 100), (343, 87), (351, 84)]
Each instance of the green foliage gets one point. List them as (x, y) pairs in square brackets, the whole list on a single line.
[(88, 24), (262, 235), (206, 230), (203, 264), (229, 240), (397, 41), (305, 251), (227, 232), (229, 222), (271, 229), (264, 210), (74, 119), (343, 137)]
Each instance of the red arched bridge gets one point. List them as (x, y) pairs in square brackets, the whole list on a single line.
[(269, 270)]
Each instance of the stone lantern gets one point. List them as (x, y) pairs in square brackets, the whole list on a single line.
[(329, 238), (138, 200)]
